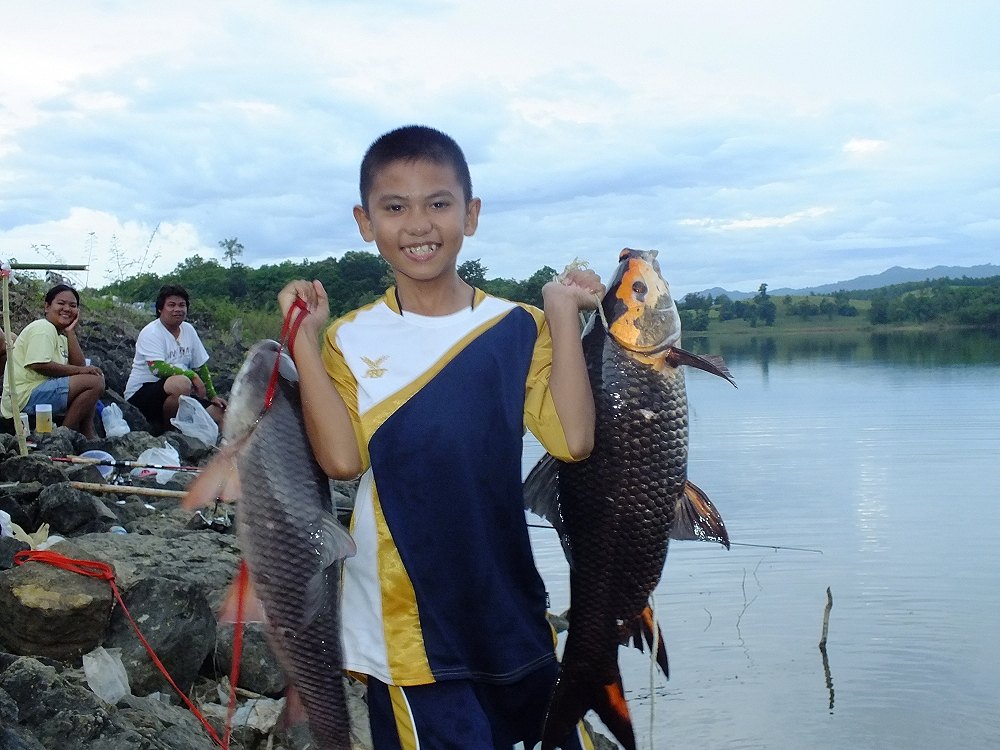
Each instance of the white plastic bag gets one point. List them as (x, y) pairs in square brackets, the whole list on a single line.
[(114, 423), (106, 674), (165, 456), (5, 524), (194, 421)]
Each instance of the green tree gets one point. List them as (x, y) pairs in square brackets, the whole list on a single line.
[(473, 272), (232, 249)]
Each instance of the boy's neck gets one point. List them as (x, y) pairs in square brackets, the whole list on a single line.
[(433, 298)]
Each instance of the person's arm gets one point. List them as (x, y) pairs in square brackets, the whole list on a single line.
[(568, 380), (327, 419)]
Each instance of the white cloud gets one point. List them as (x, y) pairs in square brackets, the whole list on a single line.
[(699, 129)]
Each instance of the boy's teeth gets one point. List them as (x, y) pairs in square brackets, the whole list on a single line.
[(421, 250)]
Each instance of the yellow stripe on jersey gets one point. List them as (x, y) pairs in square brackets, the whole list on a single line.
[(406, 653)]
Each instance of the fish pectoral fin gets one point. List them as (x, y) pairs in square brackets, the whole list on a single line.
[(697, 519), (711, 363), (218, 480), (251, 609)]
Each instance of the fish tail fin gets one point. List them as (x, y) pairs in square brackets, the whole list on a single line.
[(642, 630), (572, 699)]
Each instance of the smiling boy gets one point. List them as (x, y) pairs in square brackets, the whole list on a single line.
[(426, 393)]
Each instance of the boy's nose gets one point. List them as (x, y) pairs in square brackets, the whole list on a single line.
[(419, 224)]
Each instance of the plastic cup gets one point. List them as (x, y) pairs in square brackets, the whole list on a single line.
[(43, 418)]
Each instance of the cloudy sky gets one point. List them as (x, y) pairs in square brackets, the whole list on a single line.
[(791, 143)]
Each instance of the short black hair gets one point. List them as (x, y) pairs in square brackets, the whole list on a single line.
[(412, 143), (171, 290), (58, 289)]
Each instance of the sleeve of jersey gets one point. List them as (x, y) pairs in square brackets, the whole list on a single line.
[(539, 409), (346, 385)]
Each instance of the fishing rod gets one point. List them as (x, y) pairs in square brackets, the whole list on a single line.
[(731, 544), (113, 462)]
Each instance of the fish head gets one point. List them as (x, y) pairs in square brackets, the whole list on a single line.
[(256, 377), (640, 312)]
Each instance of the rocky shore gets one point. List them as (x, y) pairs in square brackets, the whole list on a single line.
[(64, 639)]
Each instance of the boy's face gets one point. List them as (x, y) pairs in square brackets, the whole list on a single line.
[(417, 217)]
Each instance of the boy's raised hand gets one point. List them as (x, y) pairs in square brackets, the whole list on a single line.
[(582, 286), (316, 301)]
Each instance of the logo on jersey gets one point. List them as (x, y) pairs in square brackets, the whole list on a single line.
[(375, 369)]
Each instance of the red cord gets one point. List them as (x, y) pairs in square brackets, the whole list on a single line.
[(103, 571)]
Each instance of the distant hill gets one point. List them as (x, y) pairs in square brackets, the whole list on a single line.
[(894, 275)]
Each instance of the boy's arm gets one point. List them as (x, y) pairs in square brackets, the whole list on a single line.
[(569, 383), (327, 419)]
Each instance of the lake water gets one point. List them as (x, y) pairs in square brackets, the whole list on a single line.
[(882, 454)]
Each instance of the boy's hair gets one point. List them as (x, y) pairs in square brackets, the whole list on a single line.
[(171, 290), (57, 289), (411, 143)]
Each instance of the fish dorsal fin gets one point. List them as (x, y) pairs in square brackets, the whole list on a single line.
[(696, 518), (541, 490), (709, 363), (337, 541), (541, 497)]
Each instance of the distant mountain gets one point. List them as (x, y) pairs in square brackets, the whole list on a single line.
[(894, 275)]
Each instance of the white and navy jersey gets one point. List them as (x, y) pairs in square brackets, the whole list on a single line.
[(443, 585)]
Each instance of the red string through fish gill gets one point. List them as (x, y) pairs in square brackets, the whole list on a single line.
[(289, 330), (103, 571)]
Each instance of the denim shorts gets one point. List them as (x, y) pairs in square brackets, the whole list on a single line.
[(53, 391)]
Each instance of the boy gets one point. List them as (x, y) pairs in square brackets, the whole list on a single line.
[(428, 391)]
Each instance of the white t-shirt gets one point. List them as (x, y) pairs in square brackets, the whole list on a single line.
[(155, 342)]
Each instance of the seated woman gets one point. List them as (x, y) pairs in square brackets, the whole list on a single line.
[(47, 366), (170, 361)]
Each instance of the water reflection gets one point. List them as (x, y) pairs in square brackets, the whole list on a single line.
[(915, 348)]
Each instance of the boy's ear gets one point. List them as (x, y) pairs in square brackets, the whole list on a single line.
[(472, 216), (364, 224)]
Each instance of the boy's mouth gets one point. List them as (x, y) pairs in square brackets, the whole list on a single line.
[(421, 251)]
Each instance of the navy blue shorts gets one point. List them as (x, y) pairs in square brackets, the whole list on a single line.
[(463, 714)]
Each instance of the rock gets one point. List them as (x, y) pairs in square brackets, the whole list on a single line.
[(8, 548), (178, 624), (191, 450), (18, 515), (52, 612), (259, 669), (31, 469), (62, 441), (70, 511)]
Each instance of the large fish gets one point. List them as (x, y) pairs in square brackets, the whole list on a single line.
[(616, 510), (290, 538)]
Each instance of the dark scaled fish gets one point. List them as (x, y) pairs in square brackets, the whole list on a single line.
[(290, 538), (617, 510)]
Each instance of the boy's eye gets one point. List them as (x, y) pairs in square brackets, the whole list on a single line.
[(394, 207), (440, 204)]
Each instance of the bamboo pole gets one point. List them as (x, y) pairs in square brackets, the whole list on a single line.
[(22, 441), (47, 267), (120, 489)]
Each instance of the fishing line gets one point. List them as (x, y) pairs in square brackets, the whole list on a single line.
[(775, 547), (653, 651)]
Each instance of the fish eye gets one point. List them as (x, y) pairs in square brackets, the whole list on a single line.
[(639, 288)]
